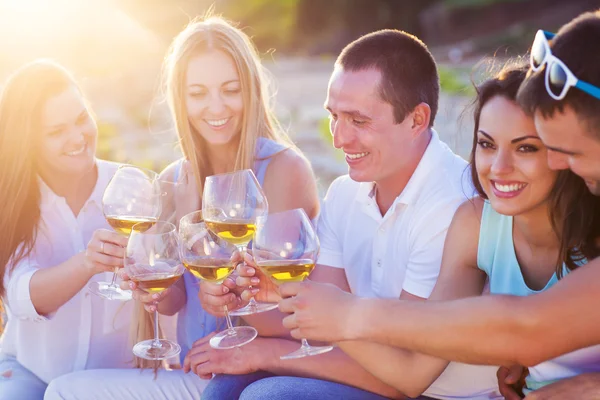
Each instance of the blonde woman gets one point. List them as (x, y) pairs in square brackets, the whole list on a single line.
[(217, 91), (54, 236)]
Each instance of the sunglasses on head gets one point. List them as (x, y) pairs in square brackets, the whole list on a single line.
[(559, 78)]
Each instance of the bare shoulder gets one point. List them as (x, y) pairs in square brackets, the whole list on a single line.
[(289, 164), (469, 212)]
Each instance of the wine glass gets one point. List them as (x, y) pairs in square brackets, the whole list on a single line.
[(210, 258), (285, 248), (231, 203), (152, 262), (131, 197)]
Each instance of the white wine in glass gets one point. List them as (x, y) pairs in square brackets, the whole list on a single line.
[(286, 248), (152, 262), (210, 258), (231, 203), (132, 197)]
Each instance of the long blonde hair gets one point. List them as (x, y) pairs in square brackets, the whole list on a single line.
[(22, 99), (202, 35)]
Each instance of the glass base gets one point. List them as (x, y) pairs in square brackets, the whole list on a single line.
[(253, 308), (306, 351), (228, 339), (148, 351), (110, 292)]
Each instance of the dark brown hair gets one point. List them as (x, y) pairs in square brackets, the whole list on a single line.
[(408, 71), (574, 211)]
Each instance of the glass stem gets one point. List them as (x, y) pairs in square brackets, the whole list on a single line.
[(230, 329), (305, 344), (113, 283), (156, 341)]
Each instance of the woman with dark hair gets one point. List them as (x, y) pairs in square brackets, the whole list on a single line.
[(527, 228)]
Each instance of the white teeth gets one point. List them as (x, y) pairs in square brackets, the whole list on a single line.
[(76, 152), (357, 155), (509, 188), (217, 122)]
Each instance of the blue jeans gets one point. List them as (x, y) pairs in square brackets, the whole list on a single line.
[(17, 382), (266, 386)]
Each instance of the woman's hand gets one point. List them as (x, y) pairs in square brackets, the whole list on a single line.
[(150, 301), (105, 252), (263, 288)]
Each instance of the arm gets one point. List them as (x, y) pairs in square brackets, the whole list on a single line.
[(33, 292), (411, 372)]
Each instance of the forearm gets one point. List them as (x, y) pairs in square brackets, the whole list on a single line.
[(494, 330), (268, 324), (409, 372), (333, 366), (52, 287)]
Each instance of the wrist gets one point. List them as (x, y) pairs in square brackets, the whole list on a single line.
[(80, 266), (361, 320)]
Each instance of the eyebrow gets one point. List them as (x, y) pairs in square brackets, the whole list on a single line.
[(223, 84), (353, 113), (516, 140), (569, 153)]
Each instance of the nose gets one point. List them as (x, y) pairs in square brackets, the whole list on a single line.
[(341, 136), (216, 104), (557, 161), (502, 163)]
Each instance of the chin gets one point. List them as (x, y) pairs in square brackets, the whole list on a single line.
[(594, 187)]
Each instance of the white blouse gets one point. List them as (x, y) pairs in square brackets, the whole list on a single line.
[(87, 331)]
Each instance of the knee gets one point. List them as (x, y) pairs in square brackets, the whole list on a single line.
[(56, 388)]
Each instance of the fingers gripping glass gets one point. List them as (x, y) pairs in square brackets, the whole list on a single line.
[(285, 248), (210, 258), (558, 77), (152, 262), (231, 203), (132, 198)]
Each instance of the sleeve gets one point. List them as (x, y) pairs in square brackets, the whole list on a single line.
[(18, 295), (331, 246), (426, 249)]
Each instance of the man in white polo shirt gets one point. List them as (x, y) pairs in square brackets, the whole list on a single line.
[(382, 226)]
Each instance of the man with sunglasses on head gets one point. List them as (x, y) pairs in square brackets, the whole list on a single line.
[(562, 92)]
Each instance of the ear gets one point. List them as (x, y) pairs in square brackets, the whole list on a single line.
[(420, 118)]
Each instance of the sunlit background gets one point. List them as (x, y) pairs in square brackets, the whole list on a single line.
[(115, 48)]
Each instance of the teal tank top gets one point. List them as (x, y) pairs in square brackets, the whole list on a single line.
[(193, 322)]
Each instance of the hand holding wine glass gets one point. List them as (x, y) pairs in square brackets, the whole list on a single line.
[(132, 197), (231, 203), (152, 262), (211, 259), (285, 248)]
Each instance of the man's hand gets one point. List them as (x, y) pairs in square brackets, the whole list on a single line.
[(580, 387), (204, 361), (320, 311), (511, 381)]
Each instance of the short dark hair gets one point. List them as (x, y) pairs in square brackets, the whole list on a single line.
[(576, 44), (408, 70)]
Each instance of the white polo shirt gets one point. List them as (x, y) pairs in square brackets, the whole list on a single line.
[(402, 250), (86, 332)]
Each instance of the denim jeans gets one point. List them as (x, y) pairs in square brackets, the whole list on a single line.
[(266, 386), (17, 382)]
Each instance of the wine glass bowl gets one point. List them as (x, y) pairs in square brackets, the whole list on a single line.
[(286, 248), (210, 258), (152, 262)]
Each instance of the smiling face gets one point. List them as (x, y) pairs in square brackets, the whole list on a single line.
[(363, 126), (214, 101), (68, 135), (571, 146), (511, 159)]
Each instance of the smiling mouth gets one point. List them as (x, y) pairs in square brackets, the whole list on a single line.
[(217, 122), (509, 188), (357, 156), (77, 151)]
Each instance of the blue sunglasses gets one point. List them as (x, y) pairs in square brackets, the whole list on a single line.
[(559, 78)]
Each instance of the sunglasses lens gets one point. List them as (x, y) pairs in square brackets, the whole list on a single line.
[(538, 52), (557, 78)]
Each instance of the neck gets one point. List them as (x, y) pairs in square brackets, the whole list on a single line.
[(222, 157), (389, 188), (75, 188), (536, 228)]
